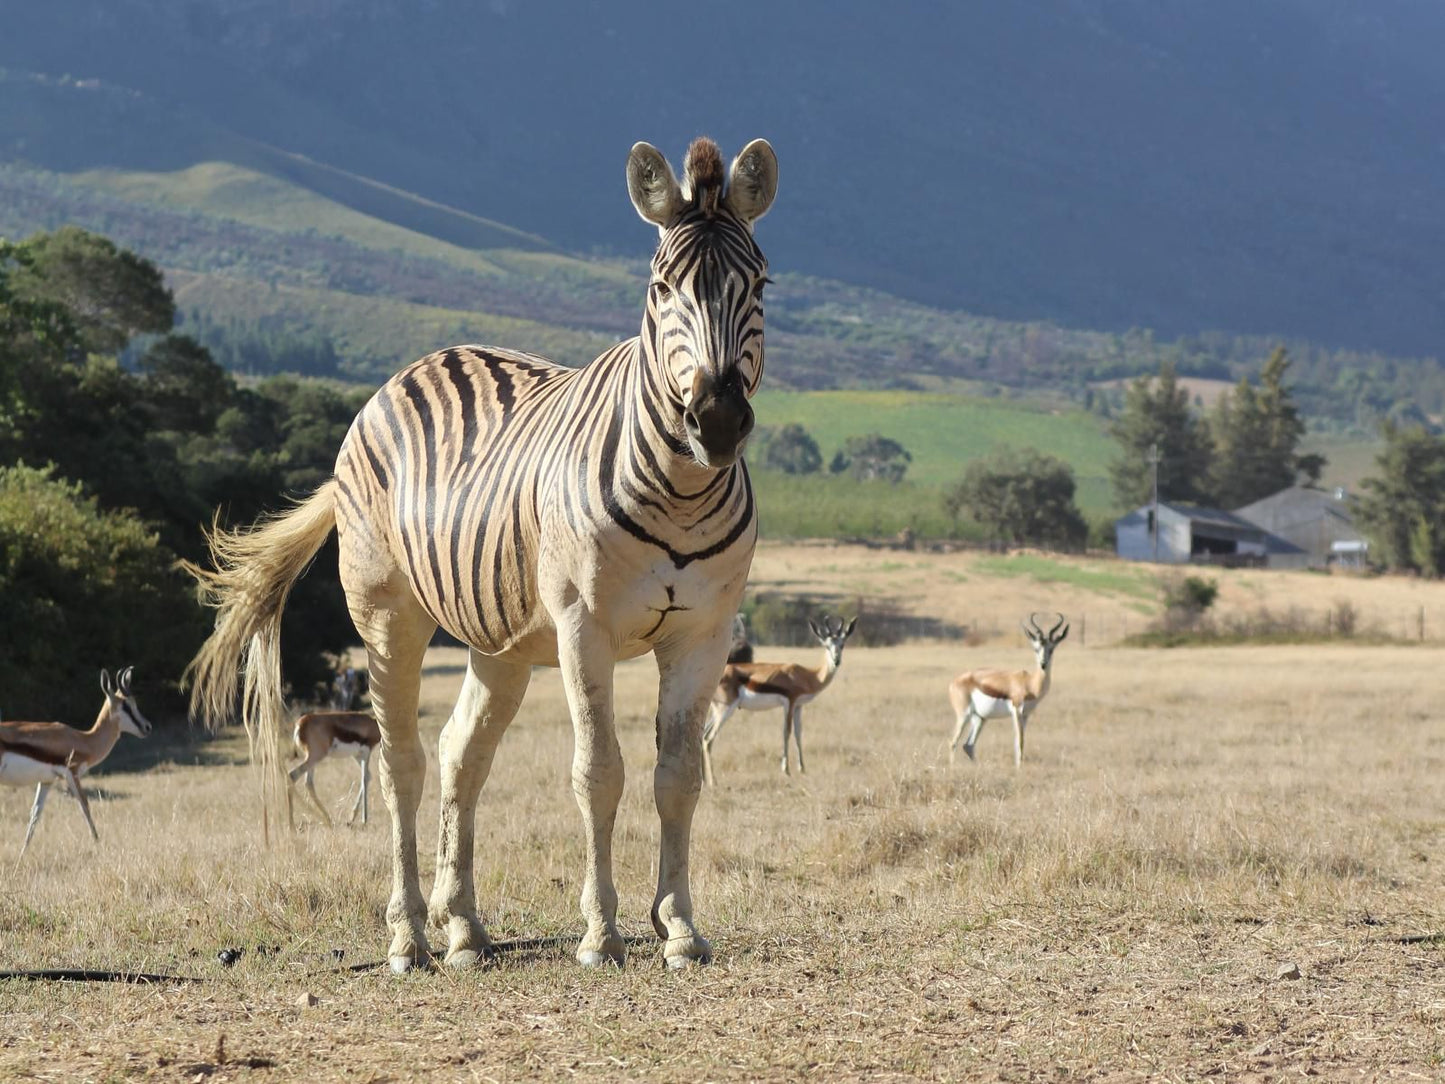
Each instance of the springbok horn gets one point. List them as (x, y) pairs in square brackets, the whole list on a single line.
[(1056, 627), (124, 680)]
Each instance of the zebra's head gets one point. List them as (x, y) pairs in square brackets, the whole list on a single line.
[(704, 320)]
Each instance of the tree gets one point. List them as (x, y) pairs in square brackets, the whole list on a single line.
[(872, 457), (84, 589), (792, 450), (1020, 497), (1156, 413), (1403, 505), (1257, 434)]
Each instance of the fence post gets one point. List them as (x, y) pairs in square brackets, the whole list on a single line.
[(1421, 625), (1083, 630)]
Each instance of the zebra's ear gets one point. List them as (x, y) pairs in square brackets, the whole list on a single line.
[(653, 186), (753, 181)]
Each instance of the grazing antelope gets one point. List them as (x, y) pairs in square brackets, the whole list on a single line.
[(756, 686), (983, 694), (347, 688), (543, 515), (318, 735), (47, 753), (742, 649)]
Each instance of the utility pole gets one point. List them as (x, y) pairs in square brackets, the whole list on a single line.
[(1154, 505)]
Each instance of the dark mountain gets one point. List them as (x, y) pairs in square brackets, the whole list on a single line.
[(1255, 166)]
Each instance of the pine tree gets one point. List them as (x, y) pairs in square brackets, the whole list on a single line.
[(1156, 412), (1256, 437)]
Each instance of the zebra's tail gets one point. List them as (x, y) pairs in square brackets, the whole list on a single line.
[(254, 570)]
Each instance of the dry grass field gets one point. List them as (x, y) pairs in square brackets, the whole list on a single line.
[(1215, 864)]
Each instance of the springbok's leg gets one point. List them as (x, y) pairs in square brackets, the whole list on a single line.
[(1020, 719), (689, 674), (42, 791), (315, 801), (973, 732), (586, 659), (787, 733), (395, 630), (491, 693), (73, 782), (718, 713), (363, 761), (798, 736)]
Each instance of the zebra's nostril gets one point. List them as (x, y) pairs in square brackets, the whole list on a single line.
[(746, 425), (689, 419)]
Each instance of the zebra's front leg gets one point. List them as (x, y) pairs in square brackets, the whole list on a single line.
[(689, 674), (586, 657), (491, 693)]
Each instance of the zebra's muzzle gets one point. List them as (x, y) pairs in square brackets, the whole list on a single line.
[(718, 420)]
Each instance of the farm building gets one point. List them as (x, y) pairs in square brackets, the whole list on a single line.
[(1190, 534), (1314, 525)]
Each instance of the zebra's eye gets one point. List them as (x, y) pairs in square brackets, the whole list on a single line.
[(758, 286), (664, 291)]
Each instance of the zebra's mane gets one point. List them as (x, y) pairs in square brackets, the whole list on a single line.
[(702, 174)]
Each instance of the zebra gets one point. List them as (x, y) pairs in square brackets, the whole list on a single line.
[(543, 516)]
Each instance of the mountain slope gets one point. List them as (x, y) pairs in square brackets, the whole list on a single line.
[(1254, 166)]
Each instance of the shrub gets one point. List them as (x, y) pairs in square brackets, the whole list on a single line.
[(84, 589)]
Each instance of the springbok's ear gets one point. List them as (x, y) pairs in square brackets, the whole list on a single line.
[(652, 185), (817, 632), (849, 630), (752, 181), (106, 685)]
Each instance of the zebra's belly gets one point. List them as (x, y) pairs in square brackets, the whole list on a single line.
[(18, 770)]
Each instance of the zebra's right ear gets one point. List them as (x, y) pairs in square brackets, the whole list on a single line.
[(753, 181), (653, 187)]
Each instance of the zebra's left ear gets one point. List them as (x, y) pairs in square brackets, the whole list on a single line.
[(653, 186), (752, 181)]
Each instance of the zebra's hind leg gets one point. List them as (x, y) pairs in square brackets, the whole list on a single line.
[(491, 693), (586, 659), (688, 677), (395, 630)]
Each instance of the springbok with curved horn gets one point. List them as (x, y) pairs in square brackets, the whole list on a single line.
[(318, 735), (756, 686), (984, 694), (46, 753)]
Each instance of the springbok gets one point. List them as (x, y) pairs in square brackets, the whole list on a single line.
[(318, 735), (984, 694), (756, 686), (742, 649), (347, 688), (46, 753)]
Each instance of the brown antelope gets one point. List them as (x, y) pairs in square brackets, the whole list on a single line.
[(318, 735), (46, 753), (984, 694), (756, 686)]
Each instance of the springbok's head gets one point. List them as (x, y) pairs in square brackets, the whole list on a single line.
[(833, 634), (1043, 642), (704, 317), (122, 705)]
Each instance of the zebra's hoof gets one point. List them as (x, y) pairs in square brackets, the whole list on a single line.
[(681, 953), (685, 963), (599, 959), (400, 965), (464, 959)]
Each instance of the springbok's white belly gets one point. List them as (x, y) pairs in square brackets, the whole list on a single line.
[(23, 771), (989, 706), (751, 701), (348, 749)]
